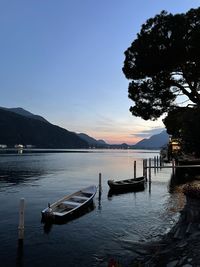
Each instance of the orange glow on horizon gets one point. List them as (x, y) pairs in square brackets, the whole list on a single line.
[(129, 140)]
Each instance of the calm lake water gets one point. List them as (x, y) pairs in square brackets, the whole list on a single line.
[(111, 230)]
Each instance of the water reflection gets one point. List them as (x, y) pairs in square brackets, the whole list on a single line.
[(20, 253), (15, 177), (17, 169), (112, 193)]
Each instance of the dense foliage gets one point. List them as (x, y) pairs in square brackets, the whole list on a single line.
[(163, 62), (184, 124)]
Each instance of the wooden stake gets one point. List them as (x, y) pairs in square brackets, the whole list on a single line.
[(149, 170), (100, 186), (21, 219), (173, 166), (154, 162), (134, 169)]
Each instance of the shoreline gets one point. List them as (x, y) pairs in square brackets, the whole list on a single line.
[(180, 246)]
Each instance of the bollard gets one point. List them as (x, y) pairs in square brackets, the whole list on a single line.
[(21, 219), (134, 169)]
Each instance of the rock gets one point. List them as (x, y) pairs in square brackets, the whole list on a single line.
[(141, 251), (182, 244), (180, 263), (172, 263)]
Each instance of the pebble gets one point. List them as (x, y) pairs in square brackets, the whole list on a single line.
[(172, 263)]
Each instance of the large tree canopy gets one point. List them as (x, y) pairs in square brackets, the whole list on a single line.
[(163, 62)]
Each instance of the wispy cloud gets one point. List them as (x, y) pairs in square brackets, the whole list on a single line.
[(149, 132)]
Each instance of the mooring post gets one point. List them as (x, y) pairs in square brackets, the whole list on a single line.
[(143, 164), (157, 162), (100, 184), (149, 170), (160, 161), (145, 168), (173, 166), (134, 168), (154, 164), (100, 190), (21, 219)]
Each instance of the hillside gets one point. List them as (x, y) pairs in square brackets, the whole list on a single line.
[(25, 113), (154, 142), (18, 129), (93, 142)]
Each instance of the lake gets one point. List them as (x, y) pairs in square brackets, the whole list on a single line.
[(110, 230)]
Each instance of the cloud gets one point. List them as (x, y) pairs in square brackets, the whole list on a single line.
[(148, 133)]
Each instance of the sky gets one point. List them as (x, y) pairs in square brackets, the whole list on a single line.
[(63, 59)]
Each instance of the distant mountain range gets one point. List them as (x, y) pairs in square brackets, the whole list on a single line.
[(19, 126), (155, 141)]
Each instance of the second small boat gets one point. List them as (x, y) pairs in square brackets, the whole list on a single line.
[(134, 184)]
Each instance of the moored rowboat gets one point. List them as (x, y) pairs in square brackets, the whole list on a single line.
[(134, 184), (71, 204)]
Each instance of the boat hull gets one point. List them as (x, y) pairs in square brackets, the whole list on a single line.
[(135, 184), (70, 206)]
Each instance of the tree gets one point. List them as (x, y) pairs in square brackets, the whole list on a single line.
[(184, 124), (163, 63)]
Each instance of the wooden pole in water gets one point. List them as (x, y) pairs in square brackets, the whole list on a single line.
[(149, 170), (145, 169), (154, 162), (157, 162), (100, 186), (143, 164), (100, 190), (134, 168), (21, 219), (160, 161), (173, 166)]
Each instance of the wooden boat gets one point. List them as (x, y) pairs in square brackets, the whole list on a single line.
[(70, 205), (134, 184)]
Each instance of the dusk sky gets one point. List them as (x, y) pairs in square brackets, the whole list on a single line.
[(63, 60)]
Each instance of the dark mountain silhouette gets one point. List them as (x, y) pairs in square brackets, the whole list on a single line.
[(25, 113), (154, 142), (93, 142), (20, 129), (19, 126)]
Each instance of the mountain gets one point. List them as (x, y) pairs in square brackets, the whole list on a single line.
[(154, 142), (25, 113), (32, 130), (93, 142)]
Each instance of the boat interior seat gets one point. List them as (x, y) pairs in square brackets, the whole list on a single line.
[(80, 197), (70, 203), (57, 213)]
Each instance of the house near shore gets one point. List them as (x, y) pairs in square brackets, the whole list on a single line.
[(20, 146), (3, 146)]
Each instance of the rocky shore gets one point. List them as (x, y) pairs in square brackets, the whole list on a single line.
[(181, 246)]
